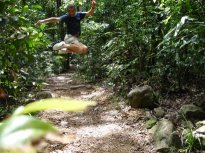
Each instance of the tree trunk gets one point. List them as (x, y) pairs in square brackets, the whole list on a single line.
[(61, 30)]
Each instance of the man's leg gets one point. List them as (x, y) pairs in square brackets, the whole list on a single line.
[(70, 44), (76, 48), (73, 45)]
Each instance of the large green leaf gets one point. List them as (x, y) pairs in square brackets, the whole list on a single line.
[(69, 105), (20, 130)]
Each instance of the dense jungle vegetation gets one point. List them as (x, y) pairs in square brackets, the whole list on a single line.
[(131, 42)]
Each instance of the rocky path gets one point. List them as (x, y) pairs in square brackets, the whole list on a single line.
[(106, 128)]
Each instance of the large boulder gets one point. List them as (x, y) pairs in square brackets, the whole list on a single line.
[(192, 111), (164, 136), (142, 97), (199, 100), (43, 95)]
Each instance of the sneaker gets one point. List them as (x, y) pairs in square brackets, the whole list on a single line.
[(58, 46), (63, 51)]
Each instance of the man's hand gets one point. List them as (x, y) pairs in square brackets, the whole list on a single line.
[(91, 11), (39, 22), (93, 3)]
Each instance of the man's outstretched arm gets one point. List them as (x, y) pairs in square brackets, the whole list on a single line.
[(48, 20), (91, 11)]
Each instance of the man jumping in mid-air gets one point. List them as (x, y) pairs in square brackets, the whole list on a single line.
[(71, 43)]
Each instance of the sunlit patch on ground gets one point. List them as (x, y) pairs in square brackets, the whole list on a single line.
[(99, 130)]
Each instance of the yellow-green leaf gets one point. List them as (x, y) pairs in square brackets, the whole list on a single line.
[(20, 130), (25, 8), (69, 105), (36, 6), (40, 34), (42, 26)]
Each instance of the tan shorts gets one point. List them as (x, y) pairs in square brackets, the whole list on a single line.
[(69, 39)]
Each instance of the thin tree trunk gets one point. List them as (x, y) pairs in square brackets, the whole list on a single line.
[(61, 30)]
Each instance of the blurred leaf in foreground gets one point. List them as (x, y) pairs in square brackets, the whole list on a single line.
[(68, 105), (20, 130)]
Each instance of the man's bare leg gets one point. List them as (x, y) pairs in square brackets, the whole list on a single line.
[(76, 48)]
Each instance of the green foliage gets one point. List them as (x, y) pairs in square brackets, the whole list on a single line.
[(20, 130), (160, 43), (91, 64), (190, 142), (26, 56), (123, 49), (60, 63), (182, 47), (22, 57), (157, 42)]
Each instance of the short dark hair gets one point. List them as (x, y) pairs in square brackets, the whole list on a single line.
[(71, 6)]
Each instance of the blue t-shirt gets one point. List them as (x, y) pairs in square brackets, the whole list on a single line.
[(73, 23)]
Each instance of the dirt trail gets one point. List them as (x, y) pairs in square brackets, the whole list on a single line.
[(105, 128)]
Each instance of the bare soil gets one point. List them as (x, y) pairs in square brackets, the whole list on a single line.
[(109, 127)]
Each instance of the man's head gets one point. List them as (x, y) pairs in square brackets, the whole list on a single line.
[(71, 10)]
